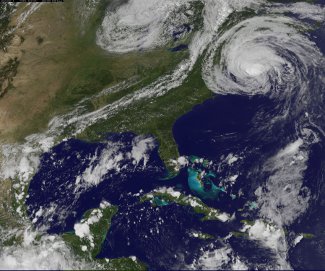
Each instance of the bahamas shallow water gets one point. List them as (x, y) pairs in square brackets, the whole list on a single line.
[(227, 125)]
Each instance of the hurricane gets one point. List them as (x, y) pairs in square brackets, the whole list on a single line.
[(262, 55)]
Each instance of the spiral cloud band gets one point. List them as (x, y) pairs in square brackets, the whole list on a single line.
[(260, 55)]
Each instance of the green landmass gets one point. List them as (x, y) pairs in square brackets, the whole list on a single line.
[(248, 222), (93, 244), (203, 236), (98, 232), (11, 240), (198, 206), (127, 264), (8, 215), (156, 116), (308, 235), (239, 234)]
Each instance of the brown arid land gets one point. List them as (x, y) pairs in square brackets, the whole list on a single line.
[(42, 49)]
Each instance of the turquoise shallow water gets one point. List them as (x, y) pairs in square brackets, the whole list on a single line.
[(160, 202), (200, 183)]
